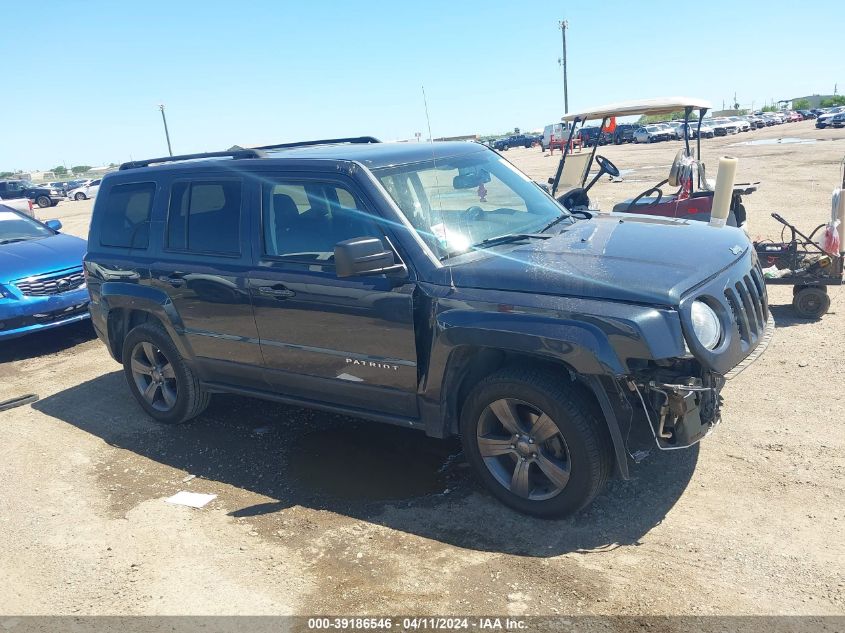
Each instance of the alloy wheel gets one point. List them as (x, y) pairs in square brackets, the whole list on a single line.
[(523, 449), (154, 376)]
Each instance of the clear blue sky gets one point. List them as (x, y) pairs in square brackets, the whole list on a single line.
[(252, 72)]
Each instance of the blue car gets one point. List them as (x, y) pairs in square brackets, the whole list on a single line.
[(41, 280)]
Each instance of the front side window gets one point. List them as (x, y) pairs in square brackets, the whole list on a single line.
[(458, 202), (126, 215), (304, 220), (205, 217)]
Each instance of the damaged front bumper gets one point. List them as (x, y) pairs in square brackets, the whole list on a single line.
[(680, 406)]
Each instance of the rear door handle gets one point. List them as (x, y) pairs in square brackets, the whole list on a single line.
[(278, 292)]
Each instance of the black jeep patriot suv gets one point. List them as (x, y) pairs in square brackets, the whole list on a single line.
[(432, 286)]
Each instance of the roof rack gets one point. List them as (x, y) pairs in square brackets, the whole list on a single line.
[(241, 153), (328, 141)]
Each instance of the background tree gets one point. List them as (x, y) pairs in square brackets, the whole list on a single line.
[(6, 174), (80, 169), (801, 104), (59, 170), (768, 108), (835, 100)]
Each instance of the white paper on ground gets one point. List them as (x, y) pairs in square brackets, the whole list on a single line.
[(190, 499)]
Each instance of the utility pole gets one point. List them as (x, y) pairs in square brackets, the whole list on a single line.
[(166, 133), (563, 25)]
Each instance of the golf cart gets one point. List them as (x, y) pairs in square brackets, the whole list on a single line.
[(692, 195)]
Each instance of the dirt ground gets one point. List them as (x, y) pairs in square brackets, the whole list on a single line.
[(317, 513)]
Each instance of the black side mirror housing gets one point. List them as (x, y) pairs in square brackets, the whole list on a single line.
[(365, 256)]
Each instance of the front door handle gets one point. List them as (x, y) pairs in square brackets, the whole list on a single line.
[(277, 292)]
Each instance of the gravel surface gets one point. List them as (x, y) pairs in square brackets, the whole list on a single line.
[(317, 513)]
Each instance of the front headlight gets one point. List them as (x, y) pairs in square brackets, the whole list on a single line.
[(705, 324)]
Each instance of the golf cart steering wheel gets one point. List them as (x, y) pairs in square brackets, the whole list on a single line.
[(656, 188), (607, 167)]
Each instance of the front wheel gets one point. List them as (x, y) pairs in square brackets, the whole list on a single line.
[(810, 302), (79, 196), (165, 387), (536, 445), (43, 202)]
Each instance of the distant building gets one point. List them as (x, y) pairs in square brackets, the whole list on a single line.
[(37, 176), (815, 100)]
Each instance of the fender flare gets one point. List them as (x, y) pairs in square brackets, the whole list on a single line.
[(131, 296), (580, 347)]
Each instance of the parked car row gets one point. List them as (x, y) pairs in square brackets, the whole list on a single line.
[(47, 194), (831, 117)]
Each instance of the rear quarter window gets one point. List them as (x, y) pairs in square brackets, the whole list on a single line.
[(125, 218)]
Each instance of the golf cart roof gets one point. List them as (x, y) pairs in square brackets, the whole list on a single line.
[(663, 105)]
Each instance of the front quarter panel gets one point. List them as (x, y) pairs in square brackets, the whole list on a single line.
[(598, 338)]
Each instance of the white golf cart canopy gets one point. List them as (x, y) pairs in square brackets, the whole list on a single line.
[(663, 105), (575, 169)]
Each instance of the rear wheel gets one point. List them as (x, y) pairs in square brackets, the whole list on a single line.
[(43, 201), (165, 387), (535, 445), (810, 302)]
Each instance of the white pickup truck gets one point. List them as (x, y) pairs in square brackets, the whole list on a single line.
[(20, 204)]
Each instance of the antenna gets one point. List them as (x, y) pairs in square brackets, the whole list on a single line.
[(427, 119), (436, 181)]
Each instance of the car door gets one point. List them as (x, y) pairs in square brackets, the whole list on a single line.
[(347, 341), (202, 264)]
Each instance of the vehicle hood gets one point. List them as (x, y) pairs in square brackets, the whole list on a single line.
[(38, 257), (621, 257)]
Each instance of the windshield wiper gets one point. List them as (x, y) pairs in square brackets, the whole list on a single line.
[(14, 239), (555, 222), (511, 237)]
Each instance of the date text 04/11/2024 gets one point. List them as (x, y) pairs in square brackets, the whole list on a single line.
[(428, 623)]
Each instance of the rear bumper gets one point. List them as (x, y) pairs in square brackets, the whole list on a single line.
[(19, 317)]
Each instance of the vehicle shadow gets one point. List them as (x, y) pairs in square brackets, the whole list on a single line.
[(784, 316), (46, 342), (386, 475)]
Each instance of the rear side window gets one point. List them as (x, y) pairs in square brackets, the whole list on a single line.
[(205, 217), (126, 215)]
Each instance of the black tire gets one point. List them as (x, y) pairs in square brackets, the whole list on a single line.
[(810, 302), (579, 448), (79, 196), (190, 398), (43, 201)]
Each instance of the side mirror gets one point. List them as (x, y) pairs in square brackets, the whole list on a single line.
[(53, 224), (545, 187), (364, 256)]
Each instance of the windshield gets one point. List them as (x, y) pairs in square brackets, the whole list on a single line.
[(15, 227), (455, 203)]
